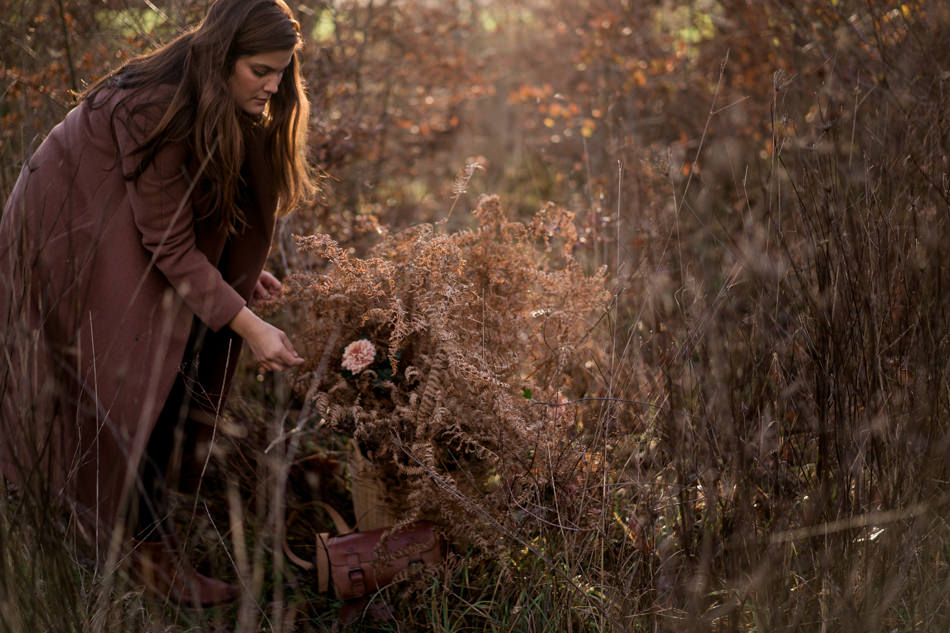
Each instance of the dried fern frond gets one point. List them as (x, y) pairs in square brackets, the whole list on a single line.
[(465, 325)]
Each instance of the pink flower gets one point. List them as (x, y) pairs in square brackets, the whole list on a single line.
[(358, 355)]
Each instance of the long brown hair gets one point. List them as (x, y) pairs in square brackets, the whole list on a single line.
[(202, 114)]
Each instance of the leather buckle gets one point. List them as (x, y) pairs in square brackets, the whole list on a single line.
[(358, 580)]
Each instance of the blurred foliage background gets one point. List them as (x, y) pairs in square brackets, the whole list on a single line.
[(763, 404)]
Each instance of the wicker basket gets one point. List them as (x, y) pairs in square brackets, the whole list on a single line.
[(369, 498)]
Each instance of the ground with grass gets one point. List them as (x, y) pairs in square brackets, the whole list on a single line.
[(657, 297)]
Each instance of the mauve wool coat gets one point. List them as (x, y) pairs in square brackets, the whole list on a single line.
[(101, 279)]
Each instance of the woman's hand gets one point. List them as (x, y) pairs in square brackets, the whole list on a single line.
[(270, 346), (267, 287)]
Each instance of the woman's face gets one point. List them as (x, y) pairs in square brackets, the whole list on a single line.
[(256, 77)]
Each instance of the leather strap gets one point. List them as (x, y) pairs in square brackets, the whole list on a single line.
[(323, 562), (305, 564), (323, 539), (338, 522)]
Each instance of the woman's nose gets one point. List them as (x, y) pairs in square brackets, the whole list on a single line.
[(272, 83)]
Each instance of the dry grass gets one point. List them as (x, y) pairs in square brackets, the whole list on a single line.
[(756, 430)]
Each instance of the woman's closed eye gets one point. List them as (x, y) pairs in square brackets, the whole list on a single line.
[(263, 72)]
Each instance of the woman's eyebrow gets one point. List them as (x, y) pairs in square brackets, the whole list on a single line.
[(259, 66)]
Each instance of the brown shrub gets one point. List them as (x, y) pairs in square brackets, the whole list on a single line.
[(475, 330)]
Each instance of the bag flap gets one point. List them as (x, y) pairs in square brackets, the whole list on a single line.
[(351, 550)]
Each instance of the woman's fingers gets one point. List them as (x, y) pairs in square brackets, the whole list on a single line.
[(267, 287), (260, 294), (277, 352), (292, 357), (269, 282), (271, 347)]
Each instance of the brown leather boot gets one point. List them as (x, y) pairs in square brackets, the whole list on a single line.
[(165, 573)]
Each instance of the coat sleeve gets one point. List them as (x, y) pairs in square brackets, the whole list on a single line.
[(161, 208)]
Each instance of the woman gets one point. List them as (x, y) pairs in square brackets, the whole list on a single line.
[(130, 248)]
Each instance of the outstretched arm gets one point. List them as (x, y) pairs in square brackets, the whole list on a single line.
[(160, 199)]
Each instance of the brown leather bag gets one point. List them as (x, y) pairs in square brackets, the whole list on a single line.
[(359, 563)]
